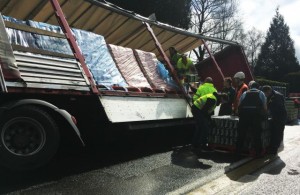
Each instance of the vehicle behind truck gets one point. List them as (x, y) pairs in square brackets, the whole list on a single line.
[(96, 70)]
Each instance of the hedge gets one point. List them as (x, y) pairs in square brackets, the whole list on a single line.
[(278, 86), (294, 81)]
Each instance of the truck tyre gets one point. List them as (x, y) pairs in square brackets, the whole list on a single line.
[(29, 138)]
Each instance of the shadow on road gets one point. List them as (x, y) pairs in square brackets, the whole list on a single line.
[(73, 160), (184, 157), (251, 170), (280, 164)]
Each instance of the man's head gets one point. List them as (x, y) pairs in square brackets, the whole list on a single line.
[(208, 80), (239, 78), (227, 82), (172, 51), (267, 89), (184, 58), (253, 85)]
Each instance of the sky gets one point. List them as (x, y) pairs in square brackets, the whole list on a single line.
[(259, 14)]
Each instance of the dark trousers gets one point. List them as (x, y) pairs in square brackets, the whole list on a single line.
[(277, 129), (203, 121), (249, 124)]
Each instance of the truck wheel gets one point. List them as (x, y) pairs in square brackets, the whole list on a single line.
[(29, 138)]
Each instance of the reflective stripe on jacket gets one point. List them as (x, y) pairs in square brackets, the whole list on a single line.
[(200, 102), (206, 88)]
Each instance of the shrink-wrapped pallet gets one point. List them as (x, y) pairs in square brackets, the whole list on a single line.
[(150, 64), (224, 134), (93, 47), (128, 66)]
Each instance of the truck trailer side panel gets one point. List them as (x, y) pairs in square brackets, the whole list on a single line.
[(130, 109)]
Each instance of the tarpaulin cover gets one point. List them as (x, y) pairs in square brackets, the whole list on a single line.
[(126, 61), (150, 64), (93, 46), (8, 63)]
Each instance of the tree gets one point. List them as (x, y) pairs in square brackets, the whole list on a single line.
[(252, 43), (174, 12), (277, 57), (216, 18)]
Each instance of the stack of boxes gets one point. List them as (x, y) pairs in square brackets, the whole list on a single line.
[(224, 133), (292, 110)]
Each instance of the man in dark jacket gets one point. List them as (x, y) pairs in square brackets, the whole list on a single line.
[(252, 111), (229, 91), (277, 111)]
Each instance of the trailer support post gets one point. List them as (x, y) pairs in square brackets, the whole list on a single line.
[(71, 39), (168, 63)]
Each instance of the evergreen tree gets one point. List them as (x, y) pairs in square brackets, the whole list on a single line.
[(174, 12), (277, 57)]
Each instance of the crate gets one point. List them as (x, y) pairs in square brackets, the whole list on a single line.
[(292, 110), (223, 135)]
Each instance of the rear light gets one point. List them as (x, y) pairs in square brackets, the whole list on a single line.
[(74, 120)]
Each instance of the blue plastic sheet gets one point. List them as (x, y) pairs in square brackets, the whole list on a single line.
[(164, 74)]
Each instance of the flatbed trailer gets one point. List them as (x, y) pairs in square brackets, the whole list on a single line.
[(46, 93)]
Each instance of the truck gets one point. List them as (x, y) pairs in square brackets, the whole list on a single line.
[(82, 68)]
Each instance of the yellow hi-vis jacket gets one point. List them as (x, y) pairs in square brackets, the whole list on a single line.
[(200, 102), (184, 68), (187, 66), (205, 88)]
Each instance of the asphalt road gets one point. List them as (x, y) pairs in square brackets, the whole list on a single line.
[(271, 175), (75, 160), (143, 162)]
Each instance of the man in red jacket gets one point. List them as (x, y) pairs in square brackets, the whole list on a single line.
[(241, 87)]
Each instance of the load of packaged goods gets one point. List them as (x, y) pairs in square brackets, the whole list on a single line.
[(110, 65), (224, 134)]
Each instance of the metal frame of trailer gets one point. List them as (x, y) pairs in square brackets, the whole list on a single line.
[(38, 87)]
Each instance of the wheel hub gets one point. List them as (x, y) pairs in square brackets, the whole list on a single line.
[(23, 136)]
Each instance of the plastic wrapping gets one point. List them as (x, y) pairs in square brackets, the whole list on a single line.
[(9, 68), (224, 133), (93, 46), (48, 43), (164, 74), (150, 63), (19, 37), (98, 58), (128, 66)]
